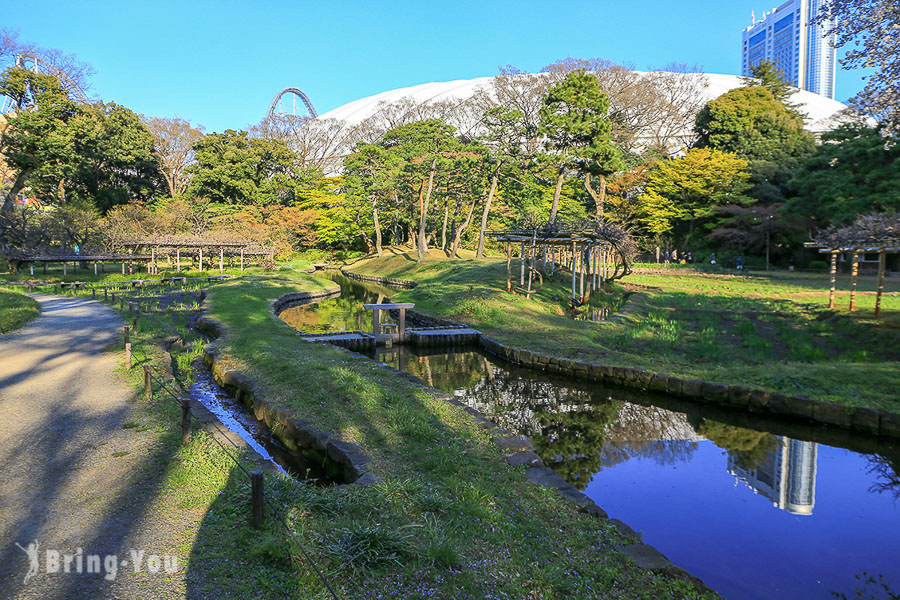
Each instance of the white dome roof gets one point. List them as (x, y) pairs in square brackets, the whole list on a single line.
[(820, 111)]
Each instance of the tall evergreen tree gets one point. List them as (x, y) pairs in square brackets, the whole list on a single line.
[(579, 134)]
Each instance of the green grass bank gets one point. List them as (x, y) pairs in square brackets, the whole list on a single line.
[(16, 309), (765, 330)]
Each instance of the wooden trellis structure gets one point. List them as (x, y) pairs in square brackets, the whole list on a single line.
[(590, 258), (127, 261), (175, 249), (868, 234)]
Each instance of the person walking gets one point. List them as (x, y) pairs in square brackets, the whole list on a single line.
[(712, 258)]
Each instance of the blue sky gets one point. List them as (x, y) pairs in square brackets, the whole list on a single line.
[(220, 63)]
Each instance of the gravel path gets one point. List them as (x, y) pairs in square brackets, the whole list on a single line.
[(72, 477)]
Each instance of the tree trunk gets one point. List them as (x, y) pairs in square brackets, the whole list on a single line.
[(18, 185), (377, 225), (598, 197), (556, 193), (423, 212), (461, 230), (444, 228), (484, 215)]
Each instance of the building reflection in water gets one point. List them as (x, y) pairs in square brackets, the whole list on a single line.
[(787, 476)]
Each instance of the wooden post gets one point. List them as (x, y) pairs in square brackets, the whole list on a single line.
[(201, 258), (178, 259), (854, 272), (148, 388), (105, 294), (881, 261), (31, 268), (185, 420), (93, 293), (582, 268), (242, 259), (152, 267), (123, 267), (376, 323), (95, 267), (522, 265), (221, 260), (834, 257), (508, 266), (401, 325), (531, 270), (127, 348), (256, 499), (574, 272), (65, 267)]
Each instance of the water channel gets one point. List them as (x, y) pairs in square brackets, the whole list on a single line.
[(757, 508)]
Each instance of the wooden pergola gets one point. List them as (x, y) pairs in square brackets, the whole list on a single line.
[(867, 234), (193, 248), (588, 255), (95, 259)]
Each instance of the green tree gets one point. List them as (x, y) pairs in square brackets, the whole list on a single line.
[(753, 124), (233, 168), (505, 139), (690, 188), (370, 174), (766, 74), (64, 152), (854, 171), (424, 147), (38, 133), (574, 121)]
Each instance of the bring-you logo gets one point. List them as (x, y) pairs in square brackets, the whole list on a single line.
[(82, 563)]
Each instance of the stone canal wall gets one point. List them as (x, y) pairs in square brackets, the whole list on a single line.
[(398, 283)]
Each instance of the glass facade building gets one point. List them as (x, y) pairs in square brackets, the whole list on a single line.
[(802, 50)]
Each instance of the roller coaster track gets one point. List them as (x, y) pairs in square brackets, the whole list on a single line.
[(296, 92)]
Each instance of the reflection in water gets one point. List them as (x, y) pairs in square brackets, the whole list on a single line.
[(787, 476), (344, 313)]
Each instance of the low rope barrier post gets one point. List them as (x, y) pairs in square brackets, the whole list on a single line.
[(148, 388), (127, 347), (256, 499), (185, 420)]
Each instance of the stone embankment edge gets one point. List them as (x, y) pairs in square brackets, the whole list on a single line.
[(399, 283), (282, 421), (870, 421)]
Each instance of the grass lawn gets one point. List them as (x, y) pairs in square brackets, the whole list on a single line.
[(16, 309), (450, 519), (771, 331)]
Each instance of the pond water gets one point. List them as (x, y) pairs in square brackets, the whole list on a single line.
[(757, 508)]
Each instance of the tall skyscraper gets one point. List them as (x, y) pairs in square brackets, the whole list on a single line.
[(802, 50)]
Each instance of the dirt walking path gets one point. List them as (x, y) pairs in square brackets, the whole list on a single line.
[(72, 474)]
